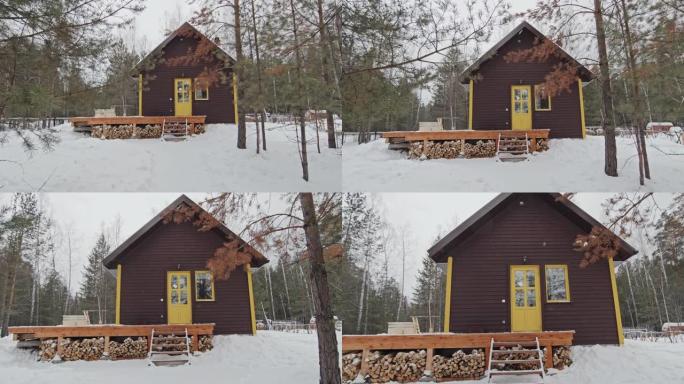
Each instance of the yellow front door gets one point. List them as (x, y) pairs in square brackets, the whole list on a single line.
[(521, 111), (183, 97), (178, 298), (525, 299)]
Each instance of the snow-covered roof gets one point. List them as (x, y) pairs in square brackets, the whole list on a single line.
[(584, 73)]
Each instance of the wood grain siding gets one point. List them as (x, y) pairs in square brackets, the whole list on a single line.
[(171, 247), (480, 291), (492, 93), (158, 93)]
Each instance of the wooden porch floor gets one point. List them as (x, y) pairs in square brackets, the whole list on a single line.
[(111, 330), (134, 120), (464, 135), (432, 341)]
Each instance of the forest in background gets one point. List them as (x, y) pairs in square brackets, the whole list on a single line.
[(390, 62)]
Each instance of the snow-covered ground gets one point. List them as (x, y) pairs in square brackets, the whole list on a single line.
[(637, 362), (207, 162), (569, 165), (268, 357)]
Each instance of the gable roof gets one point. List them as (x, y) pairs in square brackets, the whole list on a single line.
[(584, 73), (469, 226), (182, 29), (258, 259)]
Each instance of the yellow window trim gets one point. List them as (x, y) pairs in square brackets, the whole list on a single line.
[(235, 97), (616, 302), (447, 295), (213, 290), (470, 104), (252, 313), (118, 294), (140, 90), (535, 100), (564, 267), (194, 83), (581, 97)]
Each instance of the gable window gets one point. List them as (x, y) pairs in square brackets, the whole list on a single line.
[(542, 100), (557, 284), (201, 89), (204, 286)]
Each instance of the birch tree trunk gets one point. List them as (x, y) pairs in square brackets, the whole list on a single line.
[(239, 58)]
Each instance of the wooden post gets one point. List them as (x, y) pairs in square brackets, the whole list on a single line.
[(533, 145), (60, 348), (548, 358), (429, 374), (105, 354), (487, 348), (195, 342), (364, 362)]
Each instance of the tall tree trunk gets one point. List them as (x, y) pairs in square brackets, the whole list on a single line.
[(242, 123), (327, 81), (610, 167), (637, 100), (300, 95), (259, 82), (325, 323)]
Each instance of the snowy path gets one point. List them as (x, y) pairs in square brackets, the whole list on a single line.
[(268, 357), (208, 162), (635, 363), (570, 165)]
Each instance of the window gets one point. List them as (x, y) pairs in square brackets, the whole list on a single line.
[(204, 286), (201, 89), (542, 100), (557, 284)]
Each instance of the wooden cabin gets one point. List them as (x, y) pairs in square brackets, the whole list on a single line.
[(512, 267), (173, 80), (511, 95), (162, 277)]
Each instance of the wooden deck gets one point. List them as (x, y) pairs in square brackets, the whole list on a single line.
[(464, 135), (432, 341), (134, 120), (109, 330)]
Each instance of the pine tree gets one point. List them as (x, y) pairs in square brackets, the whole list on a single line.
[(98, 288)]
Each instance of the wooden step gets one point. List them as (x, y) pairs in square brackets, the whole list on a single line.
[(511, 351), (172, 337), (535, 361), (515, 344), (516, 373), (183, 352)]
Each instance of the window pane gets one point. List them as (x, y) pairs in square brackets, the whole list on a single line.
[(519, 298), (525, 107), (183, 282), (174, 282), (532, 297), (523, 94), (541, 97), (184, 296), (203, 286), (174, 297), (556, 284), (530, 278), (518, 278)]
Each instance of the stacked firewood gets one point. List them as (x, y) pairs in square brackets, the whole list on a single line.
[(150, 131), (48, 349), (481, 148), (351, 365), (460, 365), (542, 145), (199, 128), (561, 357), (128, 349), (113, 132), (401, 366), (83, 349), (435, 150), (205, 344)]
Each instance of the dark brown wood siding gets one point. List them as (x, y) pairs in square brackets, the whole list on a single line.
[(492, 93), (158, 91), (180, 247), (480, 292)]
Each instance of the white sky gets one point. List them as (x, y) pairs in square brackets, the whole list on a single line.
[(427, 215)]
